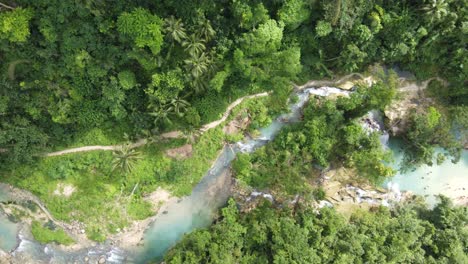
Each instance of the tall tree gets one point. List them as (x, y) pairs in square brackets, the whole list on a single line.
[(14, 24), (143, 28), (198, 64), (193, 45), (174, 29), (125, 159)]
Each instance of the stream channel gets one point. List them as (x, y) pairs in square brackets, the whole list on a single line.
[(199, 209)]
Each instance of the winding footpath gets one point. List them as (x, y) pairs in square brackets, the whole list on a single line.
[(171, 134), (408, 87), (404, 86)]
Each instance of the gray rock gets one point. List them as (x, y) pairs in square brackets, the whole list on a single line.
[(102, 260)]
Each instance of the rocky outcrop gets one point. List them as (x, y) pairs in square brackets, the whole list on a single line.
[(411, 96), (397, 114), (237, 125), (343, 192), (5, 258)]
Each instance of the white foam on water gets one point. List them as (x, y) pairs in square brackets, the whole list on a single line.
[(324, 203), (116, 255), (268, 196), (255, 194), (246, 147), (24, 244), (327, 91)]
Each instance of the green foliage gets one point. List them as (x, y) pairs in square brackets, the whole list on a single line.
[(248, 16), (210, 107), (125, 159), (427, 129), (97, 69), (218, 80), (23, 139), (143, 28), (14, 25), (165, 86), (186, 173), (319, 194), (328, 134), (270, 235), (175, 29), (459, 117), (139, 209), (293, 13), (266, 38), (127, 80), (45, 234), (86, 60), (323, 28)]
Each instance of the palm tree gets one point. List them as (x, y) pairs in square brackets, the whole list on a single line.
[(205, 30), (175, 29), (193, 45), (199, 84), (191, 134), (198, 64), (160, 113), (436, 10), (178, 106), (125, 158)]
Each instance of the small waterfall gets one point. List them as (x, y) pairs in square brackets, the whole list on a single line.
[(255, 194), (394, 191), (373, 122), (384, 138), (327, 91), (194, 211)]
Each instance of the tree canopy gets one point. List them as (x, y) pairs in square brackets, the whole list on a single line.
[(72, 66), (411, 234)]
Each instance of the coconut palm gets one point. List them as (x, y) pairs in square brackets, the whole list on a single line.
[(175, 29), (125, 158), (161, 114), (191, 134), (436, 9), (205, 30), (193, 45), (178, 106), (197, 64), (199, 84)]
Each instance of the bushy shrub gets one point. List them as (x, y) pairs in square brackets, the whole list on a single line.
[(45, 234)]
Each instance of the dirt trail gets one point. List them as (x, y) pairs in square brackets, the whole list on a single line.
[(408, 87), (171, 134), (414, 86), (320, 83), (229, 109), (137, 144)]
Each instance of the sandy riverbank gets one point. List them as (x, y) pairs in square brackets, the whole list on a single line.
[(131, 236)]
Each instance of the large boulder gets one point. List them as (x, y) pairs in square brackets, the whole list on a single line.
[(237, 125), (397, 113)]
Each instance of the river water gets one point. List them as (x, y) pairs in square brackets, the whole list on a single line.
[(200, 208), (8, 229), (447, 178)]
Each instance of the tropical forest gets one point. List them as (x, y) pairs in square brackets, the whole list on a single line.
[(234, 131)]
